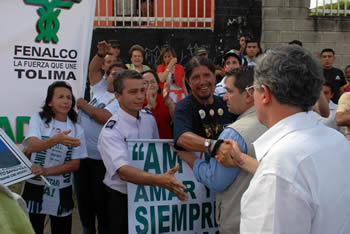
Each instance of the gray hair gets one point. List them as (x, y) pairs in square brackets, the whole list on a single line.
[(292, 74), (120, 77)]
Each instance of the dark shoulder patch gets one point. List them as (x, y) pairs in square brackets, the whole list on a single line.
[(147, 111), (111, 124)]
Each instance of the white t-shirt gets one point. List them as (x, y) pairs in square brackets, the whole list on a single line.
[(54, 156), (104, 100)]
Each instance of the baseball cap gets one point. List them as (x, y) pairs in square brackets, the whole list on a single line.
[(200, 51), (234, 53), (114, 43)]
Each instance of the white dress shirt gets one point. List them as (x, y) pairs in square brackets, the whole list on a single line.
[(302, 183), (220, 89), (330, 120), (113, 146)]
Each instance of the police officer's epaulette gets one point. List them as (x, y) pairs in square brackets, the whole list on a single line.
[(110, 124), (147, 111)]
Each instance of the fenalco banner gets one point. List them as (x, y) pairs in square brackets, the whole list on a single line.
[(41, 41), (156, 210)]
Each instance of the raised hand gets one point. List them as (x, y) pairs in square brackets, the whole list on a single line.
[(171, 65), (151, 96), (103, 47)]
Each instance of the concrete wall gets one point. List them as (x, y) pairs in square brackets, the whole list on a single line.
[(286, 20)]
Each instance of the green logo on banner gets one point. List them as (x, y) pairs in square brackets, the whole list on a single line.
[(48, 24)]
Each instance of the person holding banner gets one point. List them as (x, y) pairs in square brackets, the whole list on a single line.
[(55, 144), (129, 122), (90, 190)]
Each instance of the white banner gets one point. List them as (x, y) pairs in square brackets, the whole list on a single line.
[(156, 210), (41, 41)]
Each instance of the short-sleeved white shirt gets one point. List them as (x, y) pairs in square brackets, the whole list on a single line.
[(113, 146)]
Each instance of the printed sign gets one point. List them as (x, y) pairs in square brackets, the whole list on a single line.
[(156, 210), (14, 165)]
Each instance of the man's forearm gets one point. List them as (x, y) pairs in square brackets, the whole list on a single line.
[(137, 176), (322, 106), (249, 164), (191, 142), (99, 115), (342, 118), (95, 66)]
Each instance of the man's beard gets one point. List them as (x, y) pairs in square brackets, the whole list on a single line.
[(203, 98)]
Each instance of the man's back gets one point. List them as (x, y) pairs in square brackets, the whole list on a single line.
[(304, 170)]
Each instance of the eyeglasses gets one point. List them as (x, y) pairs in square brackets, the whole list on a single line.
[(250, 89)]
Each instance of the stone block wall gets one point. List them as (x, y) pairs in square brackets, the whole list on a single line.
[(287, 20)]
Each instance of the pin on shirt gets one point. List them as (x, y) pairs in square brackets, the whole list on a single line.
[(211, 112), (220, 111), (201, 113)]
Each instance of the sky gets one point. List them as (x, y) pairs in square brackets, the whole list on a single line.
[(320, 2)]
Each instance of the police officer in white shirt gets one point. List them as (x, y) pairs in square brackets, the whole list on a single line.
[(301, 183), (130, 122)]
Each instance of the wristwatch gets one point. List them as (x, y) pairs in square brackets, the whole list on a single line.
[(207, 144)]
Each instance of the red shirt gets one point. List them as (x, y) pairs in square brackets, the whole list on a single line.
[(179, 74), (163, 119)]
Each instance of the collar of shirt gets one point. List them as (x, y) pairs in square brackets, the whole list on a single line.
[(247, 112), (129, 119), (301, 120), (222, 82)]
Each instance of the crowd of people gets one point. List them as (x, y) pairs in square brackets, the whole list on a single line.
[(274, 127)]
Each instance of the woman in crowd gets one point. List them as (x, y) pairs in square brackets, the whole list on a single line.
[(55, 144), (159, 103), (173, 73), (136, 54)]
